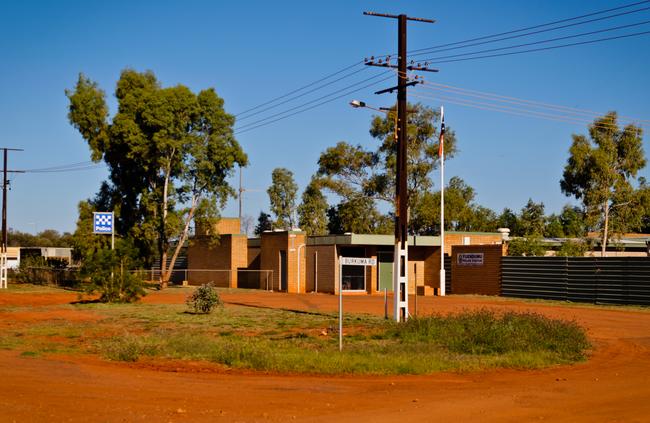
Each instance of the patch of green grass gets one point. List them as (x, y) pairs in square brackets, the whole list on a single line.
[(467, 341), (485, 332), (279, 340)]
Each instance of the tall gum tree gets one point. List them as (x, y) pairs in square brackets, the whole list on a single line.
[(600, 171), (282, 196), (169, 153)]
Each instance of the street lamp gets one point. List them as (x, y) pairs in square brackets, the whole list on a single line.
[(357, 104)]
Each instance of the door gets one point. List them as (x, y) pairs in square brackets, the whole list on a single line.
[(385, 273)]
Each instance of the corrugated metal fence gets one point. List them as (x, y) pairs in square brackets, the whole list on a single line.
[(608, 280)]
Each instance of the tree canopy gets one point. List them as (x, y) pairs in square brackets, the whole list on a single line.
[(169, 153), (600, 171), (282, 195), (312, 211)]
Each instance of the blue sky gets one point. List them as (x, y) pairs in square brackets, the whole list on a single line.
[(251, 52)]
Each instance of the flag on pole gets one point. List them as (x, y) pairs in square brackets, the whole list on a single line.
[(442, 134)]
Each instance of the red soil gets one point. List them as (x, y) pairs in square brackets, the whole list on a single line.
[(611, 386)]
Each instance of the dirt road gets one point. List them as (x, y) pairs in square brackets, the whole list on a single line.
[(613, 386)]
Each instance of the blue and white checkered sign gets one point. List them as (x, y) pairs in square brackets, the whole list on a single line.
[(103, 222)]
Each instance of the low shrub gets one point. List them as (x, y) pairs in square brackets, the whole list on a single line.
[(204, 299)]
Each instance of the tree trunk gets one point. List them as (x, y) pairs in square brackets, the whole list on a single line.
[(183, 236), (605, 230), (165, 274)]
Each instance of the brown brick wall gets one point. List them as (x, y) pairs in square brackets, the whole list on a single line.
[(204, 255), (225, 226), (483, 280), (238, 257), (216, 262), (432, 269), (271, 245), (327, 268)]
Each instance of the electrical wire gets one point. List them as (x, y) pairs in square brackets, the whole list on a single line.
[(512, 110), (303, 94), (314, 106), (635, 34), (311, 84), (437, 59), (72, 167), (515, 100), (485, 37), (436, 50), (246, 126)]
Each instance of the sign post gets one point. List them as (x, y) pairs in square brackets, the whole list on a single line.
[(348, 261)]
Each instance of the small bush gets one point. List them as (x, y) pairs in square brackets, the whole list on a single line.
[(109, 275), (204, 299)]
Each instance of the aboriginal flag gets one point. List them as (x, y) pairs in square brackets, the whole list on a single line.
[(442, 137)]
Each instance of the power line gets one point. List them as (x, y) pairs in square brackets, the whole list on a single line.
[(635, 34), (512, 110), (435, 50), (66, 167), (311, 84), (239, 131), (303, 94), (256, 123), (484, 37), (436, 59), (515, 100)]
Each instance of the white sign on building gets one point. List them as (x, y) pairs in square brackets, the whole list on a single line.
[(358, 261), (469, 259)]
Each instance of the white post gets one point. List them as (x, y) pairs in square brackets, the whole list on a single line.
[(299, 247), (442, 205), (340, 304), (400, 281), (3, 270), (112, 230)]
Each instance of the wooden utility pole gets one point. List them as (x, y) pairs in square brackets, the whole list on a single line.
[(3, 248), (400, 256), (5, 187)]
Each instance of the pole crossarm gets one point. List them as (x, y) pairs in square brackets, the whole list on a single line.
[(408, 18), (417, 67), (391, 89)]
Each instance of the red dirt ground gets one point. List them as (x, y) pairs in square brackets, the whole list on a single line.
[(613, 386)]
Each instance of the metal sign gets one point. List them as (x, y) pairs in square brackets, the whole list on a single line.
[(358, 261), (470, 259), (103, 222)]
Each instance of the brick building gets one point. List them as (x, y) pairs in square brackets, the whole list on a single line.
[(291, 261)]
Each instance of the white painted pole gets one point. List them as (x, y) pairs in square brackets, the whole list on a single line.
[(442, 206), (112, 230), (299, 247), (340, 304)]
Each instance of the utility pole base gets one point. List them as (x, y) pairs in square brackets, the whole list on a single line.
[(400, 282)]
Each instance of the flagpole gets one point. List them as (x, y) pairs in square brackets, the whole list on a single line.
[(441, 153)]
